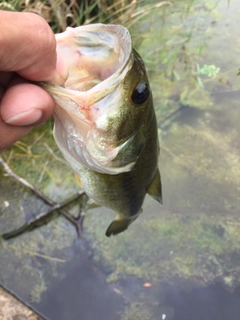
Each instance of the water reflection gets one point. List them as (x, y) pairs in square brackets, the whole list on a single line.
[(209, 303), (82, 293)]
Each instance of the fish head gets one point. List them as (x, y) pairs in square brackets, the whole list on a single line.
[(105, 101)]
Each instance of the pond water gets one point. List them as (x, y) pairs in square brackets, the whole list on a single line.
[(178, 261)]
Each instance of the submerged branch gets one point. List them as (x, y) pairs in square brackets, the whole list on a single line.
[(33, 253), (40, 218)]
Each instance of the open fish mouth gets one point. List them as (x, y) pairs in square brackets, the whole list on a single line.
[(98, 57)]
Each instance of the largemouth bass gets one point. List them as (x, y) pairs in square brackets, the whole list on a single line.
[(105, 123)]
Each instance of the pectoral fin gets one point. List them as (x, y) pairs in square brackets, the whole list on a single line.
[(120, 224), (155, 188), (116, 227), (79, 180)]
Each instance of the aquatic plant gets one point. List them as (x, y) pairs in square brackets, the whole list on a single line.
[(208, 70), (60, 13)]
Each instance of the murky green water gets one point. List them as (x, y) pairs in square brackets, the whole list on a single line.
[(175, 255)]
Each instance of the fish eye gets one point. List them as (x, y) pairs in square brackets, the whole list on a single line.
[(140, 93)]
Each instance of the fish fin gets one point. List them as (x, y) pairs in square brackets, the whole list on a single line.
[(155, 188), (79, 181), (116, 227), (120, 224), (91, 204)]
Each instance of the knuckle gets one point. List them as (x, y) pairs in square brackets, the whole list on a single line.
[(44, 34)]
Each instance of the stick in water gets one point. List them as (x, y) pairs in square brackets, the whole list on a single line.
[(41, 217)]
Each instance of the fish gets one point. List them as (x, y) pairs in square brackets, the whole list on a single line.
[(104, 120)]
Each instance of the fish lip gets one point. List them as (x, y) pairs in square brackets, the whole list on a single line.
[(106, 86)]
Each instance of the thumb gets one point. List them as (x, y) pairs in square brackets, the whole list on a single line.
[(29, 48)]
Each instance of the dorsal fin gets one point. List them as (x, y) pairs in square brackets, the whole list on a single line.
[(155, 188)]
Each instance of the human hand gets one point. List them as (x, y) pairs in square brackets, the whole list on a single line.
[(27, 54)]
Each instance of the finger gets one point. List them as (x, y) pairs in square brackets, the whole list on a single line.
[(29, 48), (26, 104), (5, 78)]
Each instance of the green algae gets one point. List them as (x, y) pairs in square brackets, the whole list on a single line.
[(28, 261), (181, 247), (137, 311)]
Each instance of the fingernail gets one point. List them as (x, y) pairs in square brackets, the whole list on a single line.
[(62, 71), (26, 118)]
